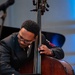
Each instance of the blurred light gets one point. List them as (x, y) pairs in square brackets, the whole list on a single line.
[(72, 8), (58, 40)]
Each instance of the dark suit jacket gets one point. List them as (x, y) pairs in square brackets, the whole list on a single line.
[(12, 56)]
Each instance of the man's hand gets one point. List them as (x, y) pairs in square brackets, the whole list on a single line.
[(43, 49)]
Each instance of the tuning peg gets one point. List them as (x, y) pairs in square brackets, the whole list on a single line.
[(48, 5), (33, 10)]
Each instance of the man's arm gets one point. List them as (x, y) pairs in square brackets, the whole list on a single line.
[(5, 66), (50, 49)]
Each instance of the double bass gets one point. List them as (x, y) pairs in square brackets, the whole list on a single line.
[(49, 66), (44, 65)]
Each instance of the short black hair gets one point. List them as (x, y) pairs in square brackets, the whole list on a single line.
[(31, 26)]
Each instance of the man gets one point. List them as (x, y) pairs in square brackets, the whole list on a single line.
[(18, 47)]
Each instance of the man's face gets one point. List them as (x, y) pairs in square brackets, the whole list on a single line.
[(25, 38)]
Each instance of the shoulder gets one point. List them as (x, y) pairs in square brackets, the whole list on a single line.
[(9, 40)]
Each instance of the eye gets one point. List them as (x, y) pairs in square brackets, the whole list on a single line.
[(21, 37)]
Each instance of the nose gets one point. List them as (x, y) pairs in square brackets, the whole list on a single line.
[(22, 42)]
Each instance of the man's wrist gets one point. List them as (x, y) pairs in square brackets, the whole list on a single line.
[(51, 53)]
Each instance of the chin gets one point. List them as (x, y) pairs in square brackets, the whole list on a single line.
[(23, 46)]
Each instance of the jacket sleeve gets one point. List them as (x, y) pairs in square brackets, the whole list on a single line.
[(58, 52), (5, 67)]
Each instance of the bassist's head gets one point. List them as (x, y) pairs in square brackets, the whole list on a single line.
[(28, 32)]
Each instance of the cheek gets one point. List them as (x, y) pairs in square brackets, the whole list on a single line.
[(22, 43)]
